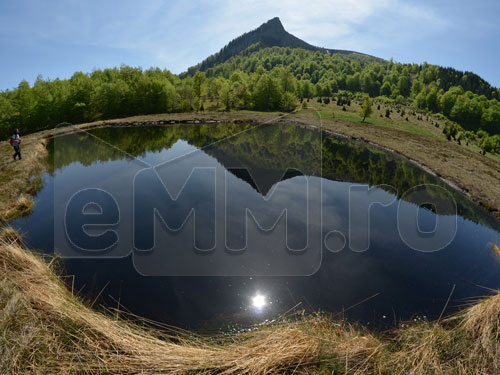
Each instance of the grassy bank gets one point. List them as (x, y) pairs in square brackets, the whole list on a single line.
[(44, 329), (21, 179)]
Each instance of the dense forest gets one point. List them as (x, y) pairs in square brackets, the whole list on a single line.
[(264, 79)]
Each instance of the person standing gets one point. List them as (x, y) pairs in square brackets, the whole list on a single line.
[(15, 141)]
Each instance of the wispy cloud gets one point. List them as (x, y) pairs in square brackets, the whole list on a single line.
[(177, 34), (164, 29)]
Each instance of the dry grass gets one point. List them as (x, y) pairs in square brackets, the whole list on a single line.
[(44, 329), (495, 248), (421, 347), (11, 236), (466, 344), (481, 325), (21, 206), (21, 179)]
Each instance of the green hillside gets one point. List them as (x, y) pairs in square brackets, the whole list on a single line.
[(273, 73)]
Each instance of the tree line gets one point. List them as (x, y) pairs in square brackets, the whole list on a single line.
[(258, 79), (464, 98), (127, 91)]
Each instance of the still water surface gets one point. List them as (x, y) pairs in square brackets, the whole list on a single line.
[(251, 165)]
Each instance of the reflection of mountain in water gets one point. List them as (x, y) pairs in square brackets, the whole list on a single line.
[(262, 180), (263, 155)]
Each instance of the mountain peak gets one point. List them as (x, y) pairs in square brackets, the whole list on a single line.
[(269, 34), (273, 23)]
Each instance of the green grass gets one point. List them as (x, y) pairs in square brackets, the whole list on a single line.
[(406, 126), (475, 148)]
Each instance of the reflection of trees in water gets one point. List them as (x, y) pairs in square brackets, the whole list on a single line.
[(137, 141), (276, 147), (351, 161), (356, 162)]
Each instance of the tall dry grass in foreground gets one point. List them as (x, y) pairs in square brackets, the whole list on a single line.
[(44, 329)]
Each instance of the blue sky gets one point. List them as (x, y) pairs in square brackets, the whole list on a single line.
[(56, 38)]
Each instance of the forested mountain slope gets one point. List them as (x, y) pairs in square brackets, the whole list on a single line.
[(270, 34)]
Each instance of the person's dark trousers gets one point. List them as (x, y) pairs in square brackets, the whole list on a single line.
[(17, 150)]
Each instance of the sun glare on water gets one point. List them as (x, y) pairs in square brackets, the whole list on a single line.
[(259, 301)]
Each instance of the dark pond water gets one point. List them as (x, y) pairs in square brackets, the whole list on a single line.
[(205, 226)]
